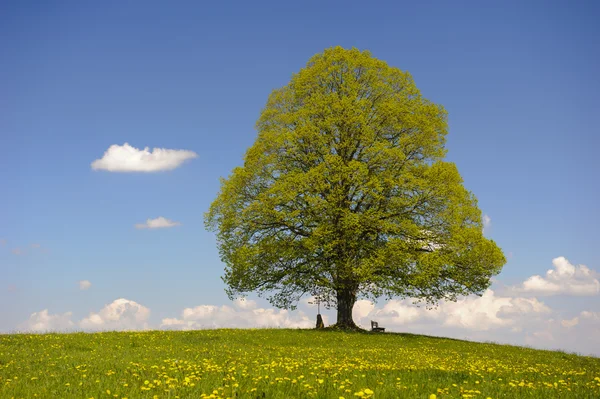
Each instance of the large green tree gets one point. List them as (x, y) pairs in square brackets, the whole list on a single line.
[(345, 195)]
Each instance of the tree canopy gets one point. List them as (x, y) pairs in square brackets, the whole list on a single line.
[(345, 194)]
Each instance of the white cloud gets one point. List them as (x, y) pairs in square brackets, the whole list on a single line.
[(158, 223), (362, 308), (487, 222), (18, 251), (245, 303), (593, 316), (44, 322), (126, 158), (565, 278), (570, 323), (580, 334), (244, 314), (491, 317), (84, 284), (121, 314), (35, 246), (470, 313), (504, 319)]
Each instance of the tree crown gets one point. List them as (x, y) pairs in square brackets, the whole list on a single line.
[(345, 189)]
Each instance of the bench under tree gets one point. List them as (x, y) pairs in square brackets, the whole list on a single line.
[(375, 327)]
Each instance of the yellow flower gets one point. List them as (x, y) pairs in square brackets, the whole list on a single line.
[(432, 396)]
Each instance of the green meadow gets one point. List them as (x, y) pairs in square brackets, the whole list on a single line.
[(280, 363)]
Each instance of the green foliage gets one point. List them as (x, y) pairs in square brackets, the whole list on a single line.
[(345, 194), (252, 364)]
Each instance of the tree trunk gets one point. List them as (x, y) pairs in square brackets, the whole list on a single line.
[(345, 302)]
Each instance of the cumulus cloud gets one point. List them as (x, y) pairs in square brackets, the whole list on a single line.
[(84, 284), (243, 314), (362, 308), (491, 317), (505, 319), (126, 158), (592, 316), (564, 278), (121, 314), (470, 313), (570, 323), (580, 334), (45, 322), (158, 223)]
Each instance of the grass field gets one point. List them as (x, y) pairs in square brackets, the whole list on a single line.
[(284, 364)]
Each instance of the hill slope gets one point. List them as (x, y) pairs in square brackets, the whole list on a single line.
[(284, 364)]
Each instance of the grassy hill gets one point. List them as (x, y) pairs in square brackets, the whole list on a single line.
[(284, 364)]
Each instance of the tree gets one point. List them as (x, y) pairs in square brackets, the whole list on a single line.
[(345, 195)]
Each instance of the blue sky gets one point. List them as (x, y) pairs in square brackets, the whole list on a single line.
[(519, 80)]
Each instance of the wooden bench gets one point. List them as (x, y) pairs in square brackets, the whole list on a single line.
[(375, 327)]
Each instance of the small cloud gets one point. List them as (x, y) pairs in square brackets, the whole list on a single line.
[(126, 158), (2, 242), (121, 314), (570, 323), (565, 278), (18, 251), (84, 284), (245, 303), (44, 322), (158, 223), (362, 308), (487, 222), (595, 316), (35, 246), (12, 288)]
